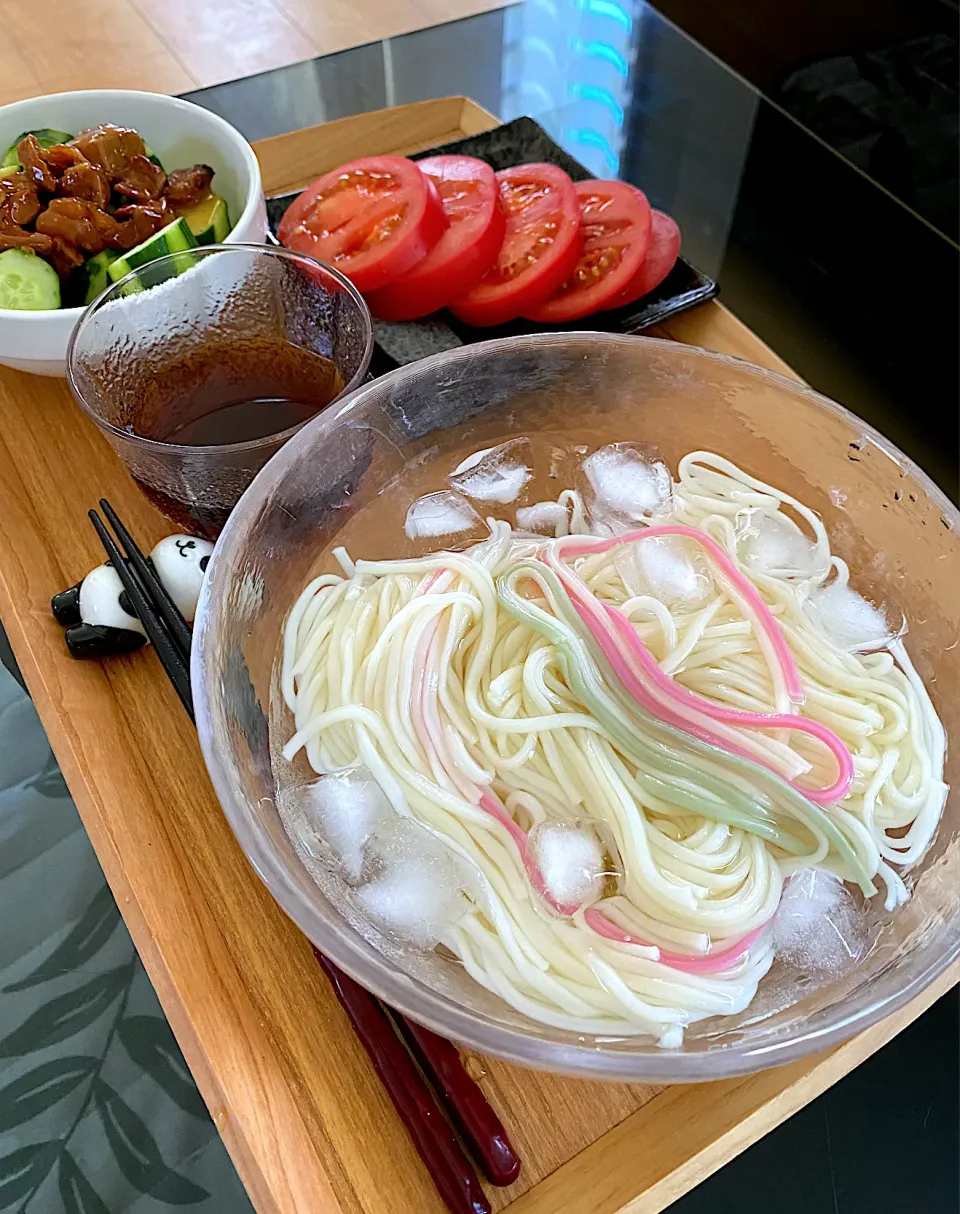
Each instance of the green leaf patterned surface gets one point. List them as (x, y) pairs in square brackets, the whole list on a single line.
[(84, 942), (48, 781), (66, 1015), (76, 1192), (23, 1169), (42, 1087), (98, 1111), (136, 1152), (149, 1042)]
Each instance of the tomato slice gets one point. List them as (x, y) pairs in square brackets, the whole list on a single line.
[(471, 202), (615, 219), (372, 219), (660, 259), (540, 248)]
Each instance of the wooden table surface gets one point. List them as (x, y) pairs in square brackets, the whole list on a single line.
[(290, 1090), (188, 44)]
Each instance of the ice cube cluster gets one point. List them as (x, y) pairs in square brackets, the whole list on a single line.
[(818, 928), (417, 888), (850, 621), (342, 810), (773, 543), (571, 858), (441, 514), (669, 568), (405, 879), (496, 474), (623, 484)]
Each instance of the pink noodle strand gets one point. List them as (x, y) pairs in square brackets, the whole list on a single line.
[(431, 581), (750, 599), (587, 604), (672, 690), (423, 709), (420, 703), (709, 963), (750, 720), (598, 921), (421, 715), (588, 608), (492, 804)]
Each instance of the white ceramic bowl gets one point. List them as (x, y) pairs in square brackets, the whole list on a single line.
[(181, 134)]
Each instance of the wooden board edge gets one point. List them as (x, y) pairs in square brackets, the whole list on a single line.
[(290, 161), (714, 327), (474, 119), (687, 1132)]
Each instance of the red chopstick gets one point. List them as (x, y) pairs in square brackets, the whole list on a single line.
[(436, 1144), (465, 1102)]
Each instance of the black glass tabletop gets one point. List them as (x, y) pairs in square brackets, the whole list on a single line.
[(852, 287)]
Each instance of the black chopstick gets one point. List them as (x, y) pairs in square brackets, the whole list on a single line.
[(171, 656), (373, 1023), (169, 611)]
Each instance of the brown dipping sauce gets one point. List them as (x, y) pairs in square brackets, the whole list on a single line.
[(233, 393)]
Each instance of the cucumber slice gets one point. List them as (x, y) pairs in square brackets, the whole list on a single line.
[(208, 219), (27, 282), (46, 137), (96, 273), (152, 155), (176, 237)]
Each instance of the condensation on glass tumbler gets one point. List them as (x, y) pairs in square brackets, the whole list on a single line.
[(238, 324)]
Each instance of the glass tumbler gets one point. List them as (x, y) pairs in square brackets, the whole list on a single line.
[(199, 366)]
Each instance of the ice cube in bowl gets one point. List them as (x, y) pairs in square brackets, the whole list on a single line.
[(898, 533)]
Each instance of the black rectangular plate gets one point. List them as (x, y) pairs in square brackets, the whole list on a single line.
[(521, 141)]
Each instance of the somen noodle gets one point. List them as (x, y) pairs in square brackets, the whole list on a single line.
[(656, 707)]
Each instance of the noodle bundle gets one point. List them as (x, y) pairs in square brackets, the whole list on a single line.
[(660, 702)]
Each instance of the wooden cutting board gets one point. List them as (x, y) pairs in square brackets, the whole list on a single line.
[(290, 1090)]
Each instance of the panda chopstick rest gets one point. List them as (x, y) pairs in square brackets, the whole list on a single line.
[(97, 614)]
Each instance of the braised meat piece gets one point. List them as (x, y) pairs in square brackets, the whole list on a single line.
[(30, 155), (142, 180), (186, 186), (16, 238), (65, 193), (79, 223), (138, 223), (85, 180), (64, 257), (19, 203), (110, 147), (23, 206), (63, 156)]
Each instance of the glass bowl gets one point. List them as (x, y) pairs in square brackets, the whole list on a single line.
[(885, 517)]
